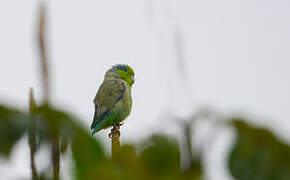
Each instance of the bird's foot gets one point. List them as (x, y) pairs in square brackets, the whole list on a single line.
[(116, 129)]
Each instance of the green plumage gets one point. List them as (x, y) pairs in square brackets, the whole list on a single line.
[(113, 101)]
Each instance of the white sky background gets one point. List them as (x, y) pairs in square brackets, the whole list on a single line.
[(235, 53)]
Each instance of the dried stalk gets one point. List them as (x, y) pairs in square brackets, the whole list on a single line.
[(42, 43), (43, 51), (32, 135), (55, 157)]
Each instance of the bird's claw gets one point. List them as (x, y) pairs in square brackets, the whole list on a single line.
[(116, 129), (113, 132)]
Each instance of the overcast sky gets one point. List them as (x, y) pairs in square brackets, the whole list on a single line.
[(230, 54)]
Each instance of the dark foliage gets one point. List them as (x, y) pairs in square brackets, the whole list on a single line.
[(258, 155)]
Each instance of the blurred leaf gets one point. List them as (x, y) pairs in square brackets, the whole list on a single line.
[(126, 161), (88, 155), (162, 157), (87, 152), (53, 123), (159, 160), (13, 125), (64, 144), (258, 154)]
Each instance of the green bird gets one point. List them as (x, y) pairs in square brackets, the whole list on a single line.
[(113, 102)]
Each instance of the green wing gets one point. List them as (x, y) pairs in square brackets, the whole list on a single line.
[(109, 94)]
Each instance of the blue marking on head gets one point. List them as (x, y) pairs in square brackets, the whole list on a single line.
[(115, 69), (121, 67)]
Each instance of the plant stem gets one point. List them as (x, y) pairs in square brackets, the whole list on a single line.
[(55, 157), (115, 140), (42, 44), (32, 135)]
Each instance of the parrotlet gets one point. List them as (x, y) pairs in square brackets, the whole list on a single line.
[(113, 101)]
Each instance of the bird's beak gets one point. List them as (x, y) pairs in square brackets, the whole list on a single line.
[(133, 79)]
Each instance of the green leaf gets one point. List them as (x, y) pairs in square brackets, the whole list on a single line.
[(162, 157), (125, 161), (53, 123), (258, 154), (12, 126), (88, 155)]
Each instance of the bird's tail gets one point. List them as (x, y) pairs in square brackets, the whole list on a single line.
[(94, 125), (94, 119), (97, 124), (96, 128)]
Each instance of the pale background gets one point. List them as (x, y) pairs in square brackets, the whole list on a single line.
[(230, 54)]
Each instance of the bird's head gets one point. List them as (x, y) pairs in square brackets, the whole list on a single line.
[(122, 71)]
